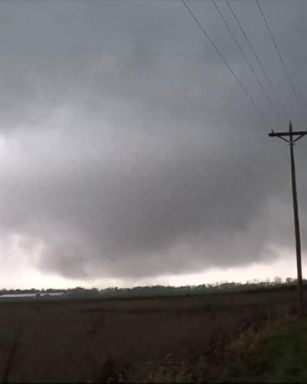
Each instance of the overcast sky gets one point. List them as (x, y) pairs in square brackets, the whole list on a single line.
[(129, 153)]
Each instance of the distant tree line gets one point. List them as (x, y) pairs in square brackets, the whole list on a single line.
[(166, 291)]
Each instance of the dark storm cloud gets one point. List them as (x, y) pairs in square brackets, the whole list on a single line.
[(128, 148)]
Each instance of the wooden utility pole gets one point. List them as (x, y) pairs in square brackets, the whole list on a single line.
[(291, 138)]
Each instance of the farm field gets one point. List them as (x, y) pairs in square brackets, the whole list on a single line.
[(97, 340)]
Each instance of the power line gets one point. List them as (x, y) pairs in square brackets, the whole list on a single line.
[(281, 106), (280, 57), (224, 61), (245, 56)]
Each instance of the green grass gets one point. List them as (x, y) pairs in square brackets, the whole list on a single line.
[(281, 358)]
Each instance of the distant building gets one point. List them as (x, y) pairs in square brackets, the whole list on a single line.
[(30, 295), (52, 294), (17, 295)]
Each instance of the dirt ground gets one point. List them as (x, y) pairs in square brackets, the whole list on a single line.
[(73, 341)]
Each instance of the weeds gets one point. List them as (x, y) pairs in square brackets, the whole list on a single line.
[(224, 355)]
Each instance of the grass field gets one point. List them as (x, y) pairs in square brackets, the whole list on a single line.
[(282, 357), (171, 339)]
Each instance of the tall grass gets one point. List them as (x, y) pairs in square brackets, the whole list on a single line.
[(225, 356)]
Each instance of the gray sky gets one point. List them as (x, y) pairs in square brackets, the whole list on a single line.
[(128, 150)]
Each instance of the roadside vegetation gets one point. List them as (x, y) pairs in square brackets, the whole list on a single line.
[(270, 351), (280, 358), (255, 354)]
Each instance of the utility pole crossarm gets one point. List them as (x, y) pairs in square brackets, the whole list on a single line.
[(282, 134)]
